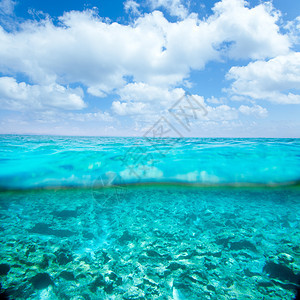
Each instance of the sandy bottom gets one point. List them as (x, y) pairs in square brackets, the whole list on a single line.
[(150, 242)]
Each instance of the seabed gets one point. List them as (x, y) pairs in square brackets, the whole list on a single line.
[(151, 242)]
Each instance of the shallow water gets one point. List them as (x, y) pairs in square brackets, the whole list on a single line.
[(151, 242), (43, 161), (231, 235)]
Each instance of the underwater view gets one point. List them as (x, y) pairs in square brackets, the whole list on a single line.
[(150, 150), (137, 218)]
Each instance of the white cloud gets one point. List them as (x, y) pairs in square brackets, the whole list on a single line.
[(140, 99), (293, 28), (132, 6), (54, 117), (174, 7), (129, 108), (214, 100), (86, 117), (22, 96), (97, 91), (143, 99), (156, 55), (220, 113), (7, 7), (85, 49), (254, 110), (247, 32), (147, 104), (276, 80), (143, 92)]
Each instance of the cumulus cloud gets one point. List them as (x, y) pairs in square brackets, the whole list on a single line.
[(174, 7), (86, 117), (146, 103), (156, 95), (139, 99), (146, 62), (293, 28), (256, 110), (86, 49), (276, 80), (142, 102), (22, 96), (132, 6), (245, 32), (129, 108), (221, 113), (214, 100)]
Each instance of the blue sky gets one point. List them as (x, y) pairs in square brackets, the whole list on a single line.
[(115, 68)]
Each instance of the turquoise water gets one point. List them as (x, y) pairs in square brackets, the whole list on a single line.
[(30, 161), (130, 218)]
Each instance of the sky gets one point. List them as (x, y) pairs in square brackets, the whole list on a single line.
[(228, 68)]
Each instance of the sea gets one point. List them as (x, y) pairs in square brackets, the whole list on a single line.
[(149, 218)]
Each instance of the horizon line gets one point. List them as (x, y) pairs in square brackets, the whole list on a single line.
[(140, 136)]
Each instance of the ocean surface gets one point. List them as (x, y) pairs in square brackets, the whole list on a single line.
[(136, 218)]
